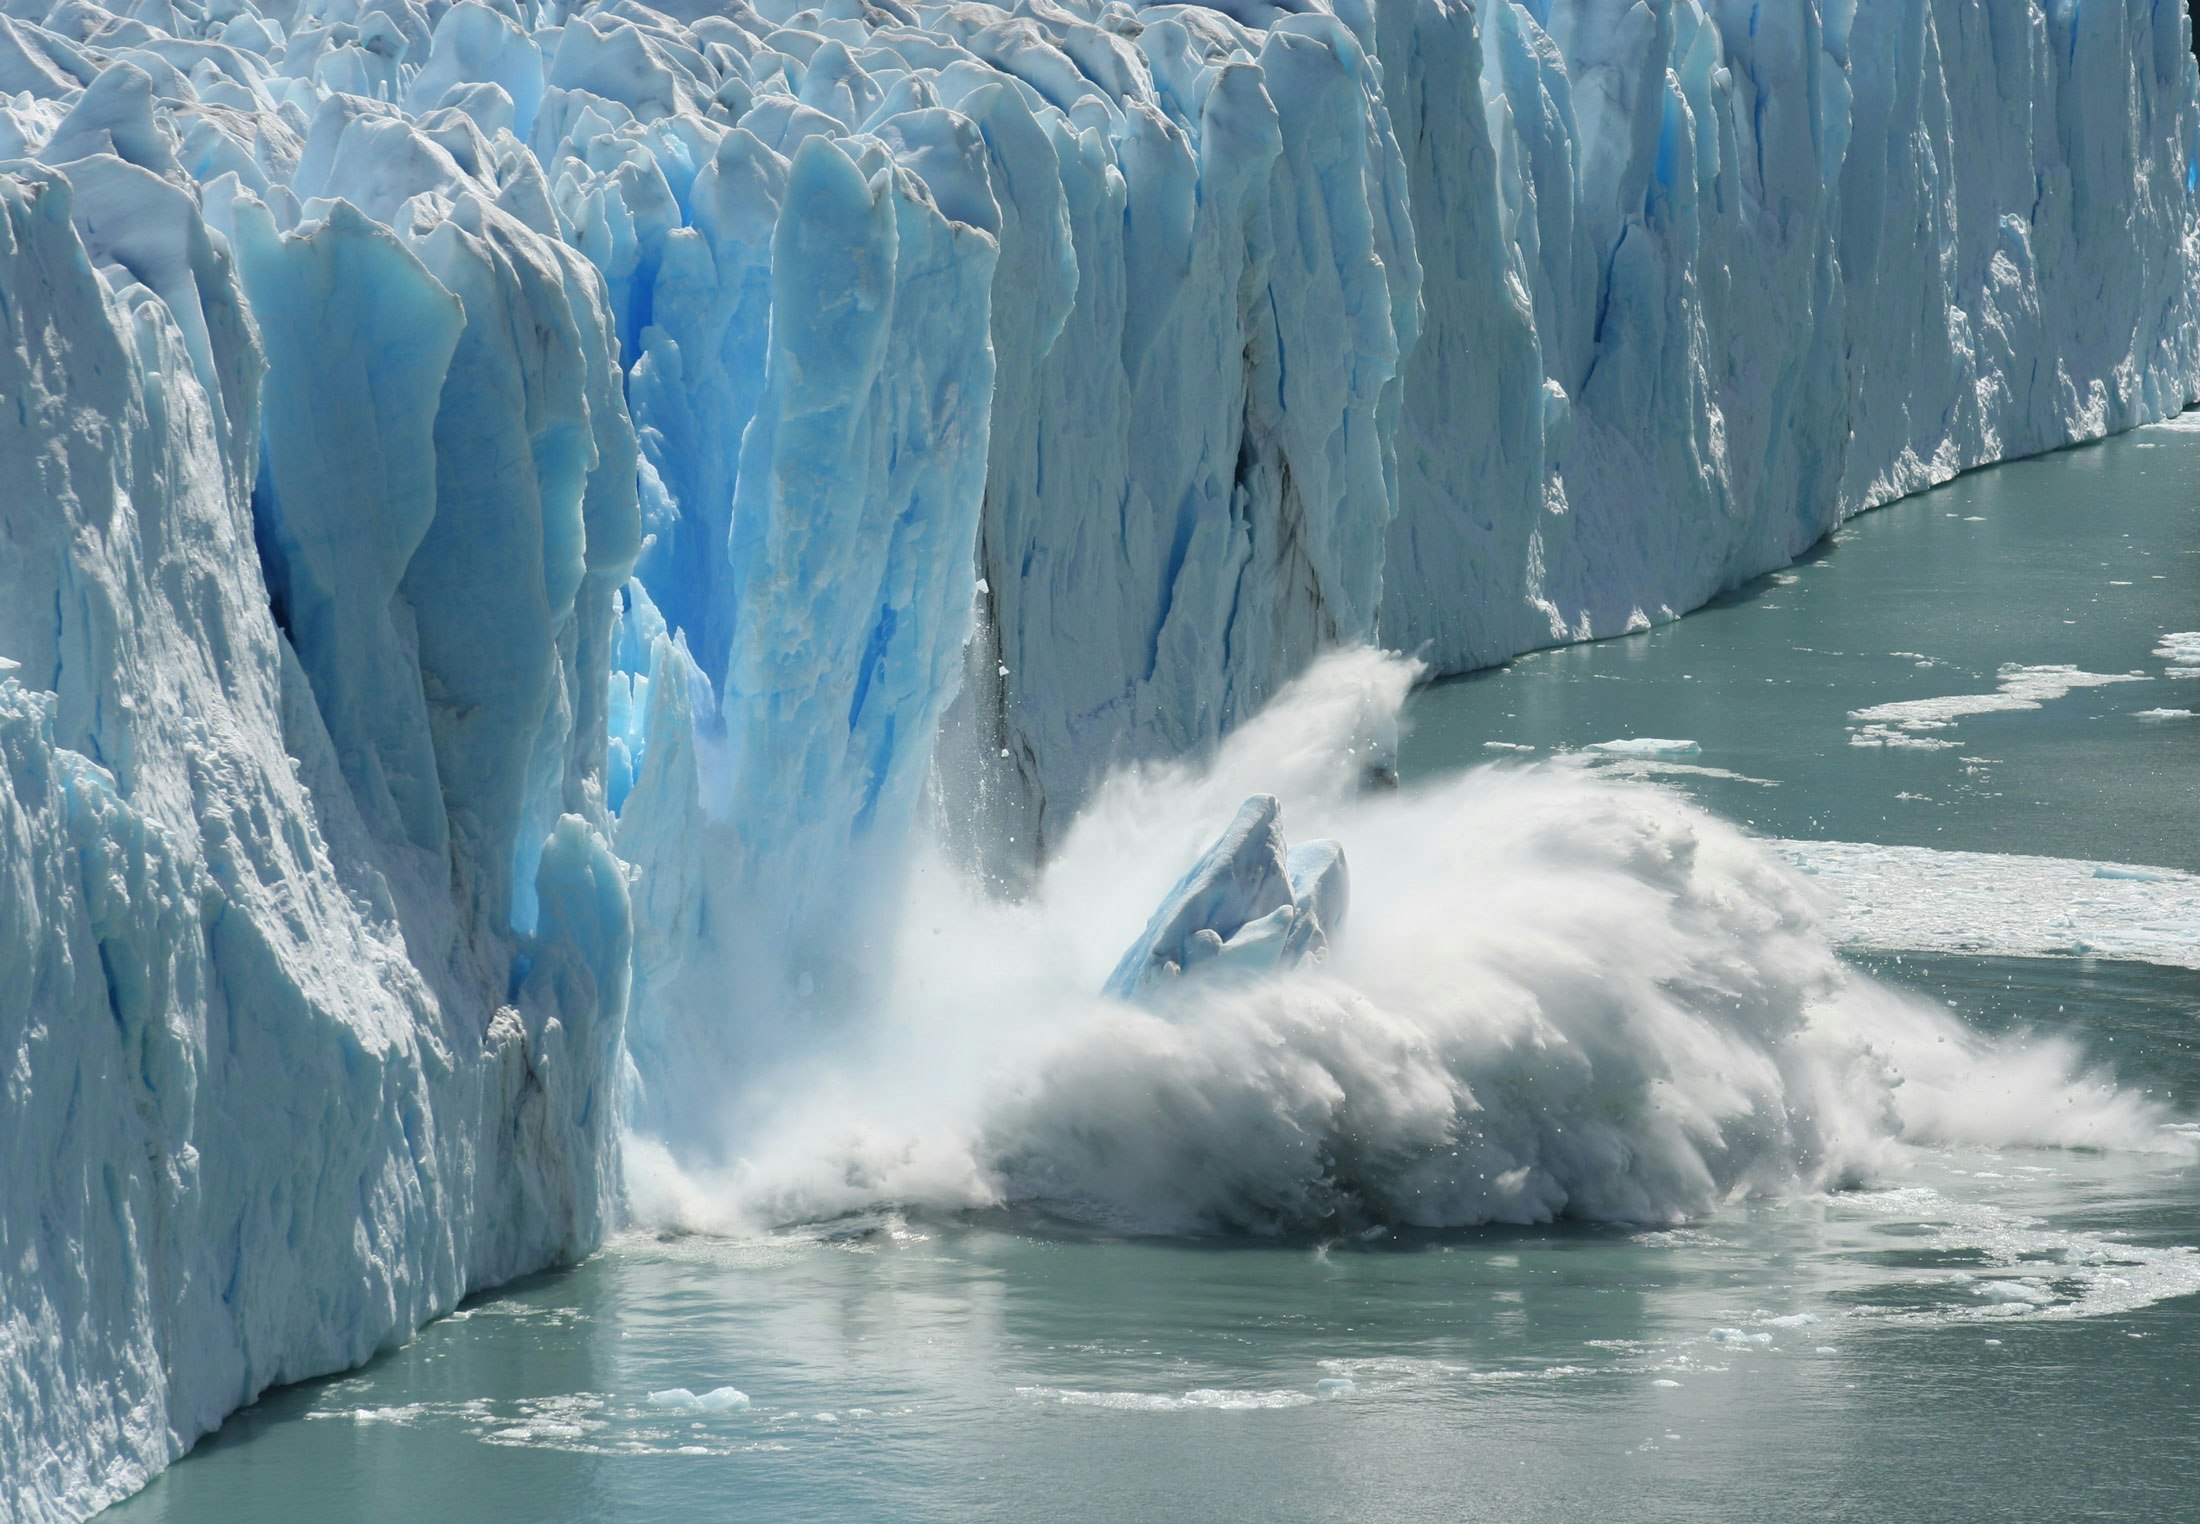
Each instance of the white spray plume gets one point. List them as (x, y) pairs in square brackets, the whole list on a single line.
[(1557, 996)]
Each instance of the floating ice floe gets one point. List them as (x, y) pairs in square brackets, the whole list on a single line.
[(720, 1399), (1916, 899), (2181, 649), (1644, 746), (1907, 723)]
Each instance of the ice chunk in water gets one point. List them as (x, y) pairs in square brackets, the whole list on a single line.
[(1645, 746), (1250, 904), (1739, 1337), (721, 1399)]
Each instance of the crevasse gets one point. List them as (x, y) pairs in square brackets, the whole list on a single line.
[(514, 514)]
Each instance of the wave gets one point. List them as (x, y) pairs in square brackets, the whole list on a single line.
[(1559, 996)]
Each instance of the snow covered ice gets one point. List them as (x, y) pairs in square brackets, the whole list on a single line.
[(514, 516)]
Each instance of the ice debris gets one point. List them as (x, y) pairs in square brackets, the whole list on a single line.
[(1249, 905), (720, 1399)]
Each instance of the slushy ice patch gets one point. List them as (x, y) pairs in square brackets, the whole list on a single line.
[(1562, 997)]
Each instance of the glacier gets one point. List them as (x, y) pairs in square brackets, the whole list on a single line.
[(515, 515)]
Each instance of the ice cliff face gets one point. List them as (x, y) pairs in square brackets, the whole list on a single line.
[(1466, 329), (449, 449), (313, 957)]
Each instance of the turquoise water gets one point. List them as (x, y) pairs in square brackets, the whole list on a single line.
[(2085, 559), (1992, 1335), (926, 1373)]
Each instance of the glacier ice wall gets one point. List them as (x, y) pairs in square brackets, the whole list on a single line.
[(451, 452), (1683, 285), (313, 955), (1465, 329)]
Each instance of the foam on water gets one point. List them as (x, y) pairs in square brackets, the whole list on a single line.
[(1607, 765), (2014, 1265), (1559, 996), (1375, 1377), (578, 1423), (1959, 1262), (1216, 1399)]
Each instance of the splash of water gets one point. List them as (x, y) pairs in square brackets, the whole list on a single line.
[(1559, 996)]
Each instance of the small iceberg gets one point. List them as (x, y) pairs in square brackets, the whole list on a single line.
[(2028, 1292), (721, 1399), (1740, 1338)]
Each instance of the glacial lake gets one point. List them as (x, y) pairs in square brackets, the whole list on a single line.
[(1991, 1334)]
